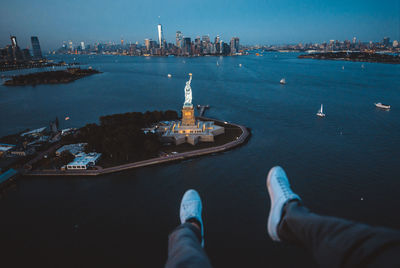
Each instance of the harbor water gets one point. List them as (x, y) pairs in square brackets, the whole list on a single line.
[(345, 164)]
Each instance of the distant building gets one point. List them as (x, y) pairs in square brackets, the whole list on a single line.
[(83, 45), (26, 55), (179, 38), (83, 161), (187, 46), (386, 41), (226, 49), (234, 45), (15, 51), (37, 52), (14, 41), (160, 35), (217, 39), (147, 43)]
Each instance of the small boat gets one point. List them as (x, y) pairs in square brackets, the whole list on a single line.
[(320, 112), (169, 75), (240, 65), (342, 67), (362, 66), (382, 106), (67, 118), (283, 81)]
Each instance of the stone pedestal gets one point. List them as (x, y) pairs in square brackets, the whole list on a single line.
[(188, 118)]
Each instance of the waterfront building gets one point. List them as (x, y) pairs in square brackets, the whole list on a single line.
[(147, 43), (234, 45), (226, 50), (187, 46), (37, 52), (84, 161), (188, 129)]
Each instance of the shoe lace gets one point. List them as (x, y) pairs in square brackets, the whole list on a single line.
[(284, 187)]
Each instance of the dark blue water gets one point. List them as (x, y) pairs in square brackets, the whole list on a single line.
[(124, 219)]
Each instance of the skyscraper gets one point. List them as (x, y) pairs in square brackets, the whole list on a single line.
[(37, 53), (147, 43), (179, 37), (14, 43), (16, 52), (386, 41), (234, 45), (187, 46), (160, 35)]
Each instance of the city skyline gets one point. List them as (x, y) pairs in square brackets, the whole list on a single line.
[(256, 22)]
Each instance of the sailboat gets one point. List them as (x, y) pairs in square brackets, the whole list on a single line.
[(283, 81), (320, 112)]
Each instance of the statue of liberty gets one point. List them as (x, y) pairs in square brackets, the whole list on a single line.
[(188, 93)]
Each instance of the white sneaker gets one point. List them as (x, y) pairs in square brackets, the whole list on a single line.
[(279, 193), (191, 209)]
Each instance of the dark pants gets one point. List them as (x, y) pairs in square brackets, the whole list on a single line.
[(336, 242), (333, 242), (184, 248)]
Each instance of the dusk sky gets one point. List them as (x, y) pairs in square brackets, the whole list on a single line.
[(255, 21)]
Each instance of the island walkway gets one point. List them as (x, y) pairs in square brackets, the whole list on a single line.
[(153, 161)]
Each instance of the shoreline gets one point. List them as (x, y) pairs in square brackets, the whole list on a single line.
[(49, 77), (353, 56), (242, 139)]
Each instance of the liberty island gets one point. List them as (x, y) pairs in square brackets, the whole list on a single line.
[(147, 141)]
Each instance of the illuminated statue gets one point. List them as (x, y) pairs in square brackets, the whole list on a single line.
[(188, 92)]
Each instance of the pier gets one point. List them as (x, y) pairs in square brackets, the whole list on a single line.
[(202, 109)]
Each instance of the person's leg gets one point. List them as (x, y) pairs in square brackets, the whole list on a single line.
[(333, 242), (337, 242), (185, 244)]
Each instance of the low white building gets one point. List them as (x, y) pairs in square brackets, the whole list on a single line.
[(83, 161)]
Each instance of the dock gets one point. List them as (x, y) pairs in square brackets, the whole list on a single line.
[(202, 109)]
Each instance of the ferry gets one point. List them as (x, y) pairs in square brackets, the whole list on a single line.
[(283, 81), (382, 106)]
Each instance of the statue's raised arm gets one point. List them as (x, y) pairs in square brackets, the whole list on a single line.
[(188, 92)]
